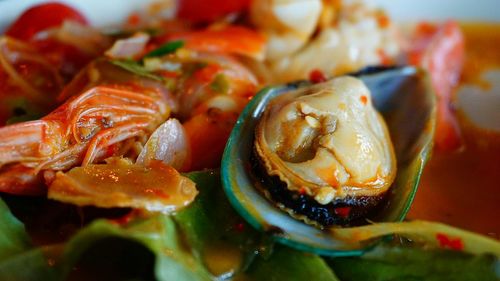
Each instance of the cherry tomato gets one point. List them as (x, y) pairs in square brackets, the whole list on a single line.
[(440, 50), (41, 17), (204, 10)]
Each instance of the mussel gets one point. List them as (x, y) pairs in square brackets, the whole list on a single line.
[(325, 156), (323, 153)]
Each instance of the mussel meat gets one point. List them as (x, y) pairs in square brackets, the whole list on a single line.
[(324, 154)]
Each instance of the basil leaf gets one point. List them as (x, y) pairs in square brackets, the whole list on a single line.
[(165, 49), (135, 68)]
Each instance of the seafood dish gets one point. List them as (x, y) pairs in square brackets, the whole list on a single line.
[(246, 140)]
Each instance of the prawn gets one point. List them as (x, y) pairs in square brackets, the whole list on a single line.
[(104, 120)]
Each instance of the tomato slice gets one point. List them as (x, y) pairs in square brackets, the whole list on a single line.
[(440, 50), (41, 17), (205, 11)]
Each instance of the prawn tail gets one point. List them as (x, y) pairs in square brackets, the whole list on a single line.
[(29, 142)]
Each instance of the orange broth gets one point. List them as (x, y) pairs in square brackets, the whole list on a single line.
[(463, 189)]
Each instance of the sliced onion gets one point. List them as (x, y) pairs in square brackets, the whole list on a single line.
[(86, 38), (119, 183), (128, 48), (168, 144)]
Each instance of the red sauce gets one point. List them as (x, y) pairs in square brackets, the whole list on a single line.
[(463, 189)]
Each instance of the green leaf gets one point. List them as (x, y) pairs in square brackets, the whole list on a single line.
[(165, 49), (291, 265), (214, 230), (13, 237), (220, 84), (211, 223), (386, 263), (158, 235), (136, 68), (18, 259)]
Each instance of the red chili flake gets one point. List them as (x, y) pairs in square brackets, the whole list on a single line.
[(343, 212), (364, 100), (239, 227), (384, 58), (125, 219), (134, 19), (302, 190), (317, 76), (450, 243), (382, 19)]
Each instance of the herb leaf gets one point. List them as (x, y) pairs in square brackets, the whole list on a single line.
[(165, 49), (220, 84), (135, 67)]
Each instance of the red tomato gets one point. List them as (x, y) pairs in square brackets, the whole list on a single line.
[(440, 50), (41, 17), (204, 10)]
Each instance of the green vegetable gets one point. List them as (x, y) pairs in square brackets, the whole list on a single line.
[(18, 259), (135, 67), (387, 262), (175, 248), (220, 84), (203, 226), (291, 265), (210, 221), (165, 49), (157, 235)]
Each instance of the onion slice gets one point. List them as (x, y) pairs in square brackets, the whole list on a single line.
[(122, 184), (128, 48), (168, 144)]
